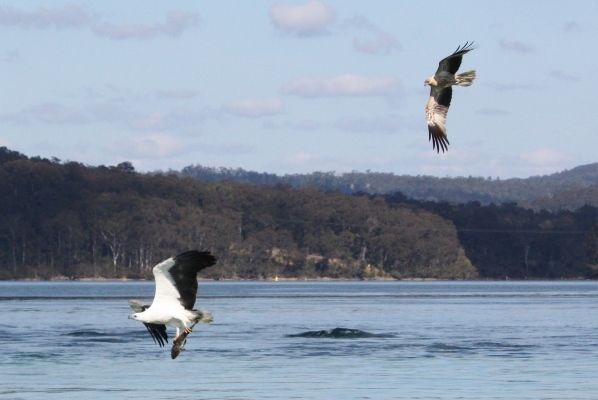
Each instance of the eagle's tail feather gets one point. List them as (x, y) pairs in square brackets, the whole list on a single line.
[(466, 78)]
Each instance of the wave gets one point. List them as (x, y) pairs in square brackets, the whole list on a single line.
[(338, 333), (93, 336), (87, 333)]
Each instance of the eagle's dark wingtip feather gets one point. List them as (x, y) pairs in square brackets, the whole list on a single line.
[(157, 332), (151, 333), (205, 258)]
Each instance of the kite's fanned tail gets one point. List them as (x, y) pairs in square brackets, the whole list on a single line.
[(466, 78)]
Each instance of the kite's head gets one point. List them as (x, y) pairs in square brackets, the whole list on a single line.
[(430, 82), (134, 316)]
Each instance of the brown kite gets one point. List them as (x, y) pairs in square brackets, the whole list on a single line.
[(441, 92)]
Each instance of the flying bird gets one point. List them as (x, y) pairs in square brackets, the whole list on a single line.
[(441, 92), (174, 298)]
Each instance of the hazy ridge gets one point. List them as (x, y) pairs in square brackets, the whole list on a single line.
[(568, 189)]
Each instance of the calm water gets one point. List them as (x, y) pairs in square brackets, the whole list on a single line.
[(429, 340)]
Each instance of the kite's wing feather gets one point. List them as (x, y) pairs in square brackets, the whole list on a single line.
[(158, 333), (436, 110), (453, 62)]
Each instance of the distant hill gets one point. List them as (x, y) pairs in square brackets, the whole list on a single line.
[(527, 191), (567, 199), (70, 220)]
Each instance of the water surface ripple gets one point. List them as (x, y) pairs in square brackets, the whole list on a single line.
[(306, 340)]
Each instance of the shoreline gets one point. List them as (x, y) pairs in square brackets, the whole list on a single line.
[(111, 280)]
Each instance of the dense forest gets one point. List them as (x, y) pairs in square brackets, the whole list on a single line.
[(507, 241), (69, 220), (564, 190)]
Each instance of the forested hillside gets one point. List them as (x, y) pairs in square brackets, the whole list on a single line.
[(507, 241), (70, 220), (529, 192), (67, 219)]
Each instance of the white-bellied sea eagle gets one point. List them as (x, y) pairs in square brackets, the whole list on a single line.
[(174, 298)]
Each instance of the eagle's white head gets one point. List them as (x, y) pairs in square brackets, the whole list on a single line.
[(141, 316)]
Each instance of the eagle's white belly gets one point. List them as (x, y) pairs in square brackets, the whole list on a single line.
[(167, 314)]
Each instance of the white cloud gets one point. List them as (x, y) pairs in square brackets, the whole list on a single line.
[(50, 113), (382, 43), (110, 112), (68, 16), (492, 112), (175, 24), (10, 56), (172, 120), (228, 149), (302, 158), (507, 87), (384, 124), (300, 125), (342, 85), (255, 107), (73, 16), (572, 26), (311, 18), (176, 94), (516, 46), (155, 145), (564, 76), (376, 40), (543, 156)]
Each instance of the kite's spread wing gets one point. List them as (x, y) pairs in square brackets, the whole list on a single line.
[(453, 62), (436, 110)]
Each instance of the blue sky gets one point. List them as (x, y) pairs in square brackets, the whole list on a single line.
[(299, 86)]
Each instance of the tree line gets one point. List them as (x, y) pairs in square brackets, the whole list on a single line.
[(69, 220), (74, 221)]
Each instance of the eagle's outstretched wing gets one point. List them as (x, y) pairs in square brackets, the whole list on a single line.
[(176, 278), (452, 63), (436, 110)]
